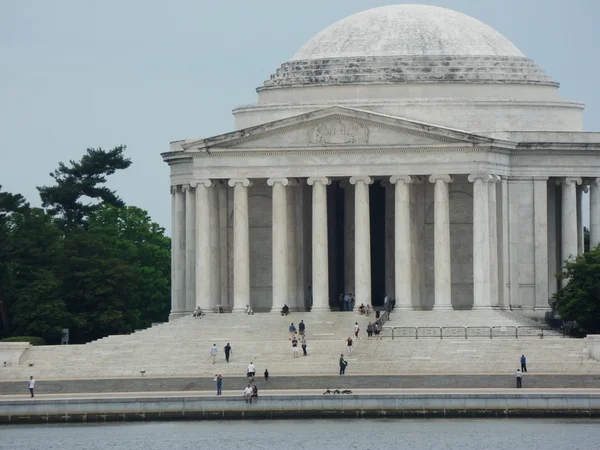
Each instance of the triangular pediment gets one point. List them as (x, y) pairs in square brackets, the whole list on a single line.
[(339, 127)]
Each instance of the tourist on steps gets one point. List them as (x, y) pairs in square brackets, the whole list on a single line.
[(285, 310), (303, 343), (349, 342), (294, 347), (301, 328), (31, 386), (523, 363), (519, 378), (266, 375), (369, 330), (219, 380), (356, 330), (248, 394), (292, 330), (213, 353), (227, 351), (251, 371), (343, 365)]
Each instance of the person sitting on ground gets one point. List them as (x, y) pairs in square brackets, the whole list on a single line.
[(362, 309), (285, 310), (198, 312), (248, 394), (254, 393), (249, 310)]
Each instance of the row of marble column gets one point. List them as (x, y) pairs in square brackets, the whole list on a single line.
[(192, 239)]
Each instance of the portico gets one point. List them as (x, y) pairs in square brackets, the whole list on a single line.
[(365, 180)]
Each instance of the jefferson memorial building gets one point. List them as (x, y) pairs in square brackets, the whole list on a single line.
[(406, 150)]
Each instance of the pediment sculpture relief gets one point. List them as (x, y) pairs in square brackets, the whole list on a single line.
[(339, 132)]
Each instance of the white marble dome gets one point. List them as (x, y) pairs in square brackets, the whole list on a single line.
[(407, 30)]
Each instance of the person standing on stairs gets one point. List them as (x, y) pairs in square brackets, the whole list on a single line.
[(519, 375), (294, 347), (213, 353), (343, 365), (356, 330), (31, 386), (303, 343), (227, 351), (251, 371), (523, 364), (349, 342), (219, 380), (301, 328)]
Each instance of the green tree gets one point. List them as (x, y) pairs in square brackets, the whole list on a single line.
[(79, 187), (579, 299), (10, 204), (116, 273), (586, 239)]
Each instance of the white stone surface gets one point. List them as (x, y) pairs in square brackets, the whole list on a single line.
[(443, 288), (493, 225), (419, 30), (320, 252), (178, 301), (362, 243)]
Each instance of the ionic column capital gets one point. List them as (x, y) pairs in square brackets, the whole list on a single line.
[(243, 181), (205, 181), (173, 189), (440, 177), (402, 179), (361, 179), (323, 180), (595, 181), (485, 177), (568, 181), (186, 188), (281, 180)]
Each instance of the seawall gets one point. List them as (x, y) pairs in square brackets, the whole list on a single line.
[(434, 405)]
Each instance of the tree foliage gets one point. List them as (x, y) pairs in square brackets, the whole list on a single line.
[(579, 300), (88, 262)]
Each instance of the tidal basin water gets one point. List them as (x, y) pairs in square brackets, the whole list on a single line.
[(363, 434)]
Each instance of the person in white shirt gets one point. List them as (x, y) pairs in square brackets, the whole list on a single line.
[(248, 394), (519, 375), (251, 371), (213, 353), (356, 330), (31, 385)]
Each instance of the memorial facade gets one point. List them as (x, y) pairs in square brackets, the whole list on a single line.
[(406, 150)]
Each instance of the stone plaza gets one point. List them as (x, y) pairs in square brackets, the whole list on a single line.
[(406, 150)]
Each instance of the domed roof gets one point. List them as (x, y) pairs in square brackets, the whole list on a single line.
[(407, 30)]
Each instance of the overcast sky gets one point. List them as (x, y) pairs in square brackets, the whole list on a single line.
[(77, 74)]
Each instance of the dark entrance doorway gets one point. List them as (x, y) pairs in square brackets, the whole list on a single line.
[(377, 213), (335, 237)]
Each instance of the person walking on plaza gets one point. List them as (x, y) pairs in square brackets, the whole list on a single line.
[(31, 386), (294, 347), (303, 343), (292, 330), (343, 365), (302, 328), (219, 380), (519, 378), (356, 330), (266, 375), (213, 353), (227, 351), (349, 342), (377, 331), (523, 364), (369, 330), (251, 370)]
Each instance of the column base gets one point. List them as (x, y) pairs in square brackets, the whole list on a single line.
[(443, 308), (320, 309), (482, 308), (238, 309), (403, 308)]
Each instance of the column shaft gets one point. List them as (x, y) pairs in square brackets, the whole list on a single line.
[(203, 247), (190, 250), (320, 253), (362, 243), (540, 207), (569, 218), (280, 243), (578, 196), (241, 246), (292, 264), (481, 241), (442, 274), (595, 213), (402, 242), (493, 227), (177, 253)]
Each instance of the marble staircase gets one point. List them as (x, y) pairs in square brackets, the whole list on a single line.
[(181, 348)]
